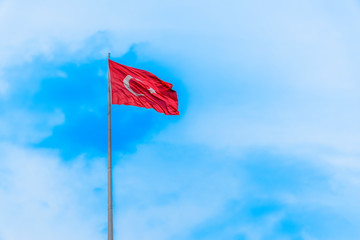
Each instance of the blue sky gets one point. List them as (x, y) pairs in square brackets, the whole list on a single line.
[(266, 145)]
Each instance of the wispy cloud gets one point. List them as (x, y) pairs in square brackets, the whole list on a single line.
[(43, 197)]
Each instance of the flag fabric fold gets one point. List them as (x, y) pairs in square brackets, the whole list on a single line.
[(136, 87)]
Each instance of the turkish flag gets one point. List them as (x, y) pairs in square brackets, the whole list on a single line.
[(136, 87)]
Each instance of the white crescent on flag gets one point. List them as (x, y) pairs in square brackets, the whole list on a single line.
[(127, 85)]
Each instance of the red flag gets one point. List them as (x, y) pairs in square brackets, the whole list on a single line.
[(136, 87)]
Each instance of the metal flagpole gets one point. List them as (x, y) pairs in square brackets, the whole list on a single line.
[(110, 206)]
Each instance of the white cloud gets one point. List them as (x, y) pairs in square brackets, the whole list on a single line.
[(24, 126), (45, 198), (283, 78), (161, 196)]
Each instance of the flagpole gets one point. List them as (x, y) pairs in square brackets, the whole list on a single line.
[(110, 205)]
